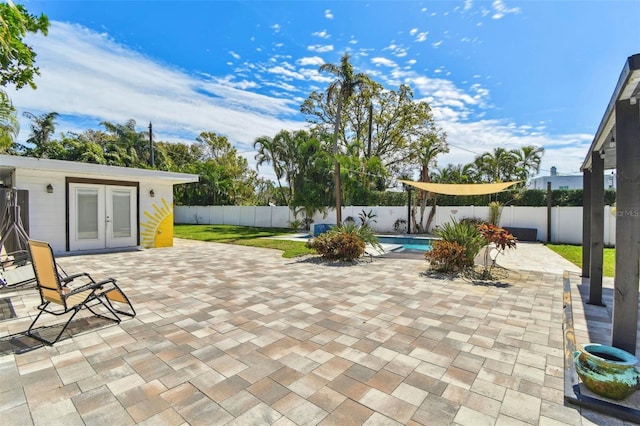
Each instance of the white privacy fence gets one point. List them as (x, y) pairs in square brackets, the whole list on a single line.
[(566, 222)]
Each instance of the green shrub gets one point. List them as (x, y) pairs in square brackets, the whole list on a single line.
[(345, 242), (473, 221), (365, 233), (495, 211), (524, 197), (338, 245), (295, 224), (466, 234), (447, 256)]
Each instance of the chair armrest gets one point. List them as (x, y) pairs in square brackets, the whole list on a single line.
[(90, 286), (107, 281), (66, 280), (80, 289)]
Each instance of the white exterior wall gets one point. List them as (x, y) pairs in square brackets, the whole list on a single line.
[(46, 211), (47, 220), (569, 182), (566, 222)]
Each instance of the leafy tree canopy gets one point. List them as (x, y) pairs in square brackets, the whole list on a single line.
[(9, 126), (17, 59)]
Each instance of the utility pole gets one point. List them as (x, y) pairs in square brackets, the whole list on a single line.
[(151, 159), (370, 129)]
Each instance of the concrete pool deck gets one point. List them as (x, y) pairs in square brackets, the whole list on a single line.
[(239, 335)]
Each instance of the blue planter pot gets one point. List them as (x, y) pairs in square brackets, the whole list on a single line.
[(607, 371)]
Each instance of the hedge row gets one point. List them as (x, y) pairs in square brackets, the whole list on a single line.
[(529, 197)]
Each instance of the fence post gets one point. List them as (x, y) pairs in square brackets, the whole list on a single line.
[(548, 212)]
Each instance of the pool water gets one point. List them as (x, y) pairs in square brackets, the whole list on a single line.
[(408, 243), (417, 247)]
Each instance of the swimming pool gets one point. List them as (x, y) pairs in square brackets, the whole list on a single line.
[(408, 243)]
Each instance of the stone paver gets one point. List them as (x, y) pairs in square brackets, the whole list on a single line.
[(238, 335)]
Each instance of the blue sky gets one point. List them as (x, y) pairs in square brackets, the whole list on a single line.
[(497, 73)]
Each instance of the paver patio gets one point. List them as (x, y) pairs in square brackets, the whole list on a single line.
[(238, 335)]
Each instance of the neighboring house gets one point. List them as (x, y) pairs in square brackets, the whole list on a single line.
[(81, 206), (568, 181)]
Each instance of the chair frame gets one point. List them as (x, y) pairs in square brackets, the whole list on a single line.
[(60, 297)]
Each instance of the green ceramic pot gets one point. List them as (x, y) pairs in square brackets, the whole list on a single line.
[(607, 371)]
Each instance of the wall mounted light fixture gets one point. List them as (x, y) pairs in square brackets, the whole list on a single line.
[(50, 189), (152, 193)]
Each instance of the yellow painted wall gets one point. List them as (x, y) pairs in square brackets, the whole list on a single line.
[(157, 230)]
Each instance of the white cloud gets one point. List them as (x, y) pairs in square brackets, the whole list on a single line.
[(313, 60), (459, 113), (283, 71), (468, 139), (413, 31), (328, 14), (501, 9), (276, 27), (321, 34), (320, 48), (88, 76), (282, 85), (383, 61), (234, 54), (315, 76), (397, 50), (436, 44), (468, 4), (242, 85), (422, 37)]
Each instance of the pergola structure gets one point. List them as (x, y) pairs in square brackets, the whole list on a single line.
[(616, 145)]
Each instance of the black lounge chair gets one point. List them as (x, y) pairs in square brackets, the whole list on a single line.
[(59, 296)]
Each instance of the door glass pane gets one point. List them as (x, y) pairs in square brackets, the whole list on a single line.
[(121, 202), (87, 214)]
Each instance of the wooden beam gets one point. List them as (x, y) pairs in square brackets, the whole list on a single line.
[(597, 229), (625, 302), (586, 222)]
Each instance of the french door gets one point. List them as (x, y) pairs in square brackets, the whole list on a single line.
[(102, 216)]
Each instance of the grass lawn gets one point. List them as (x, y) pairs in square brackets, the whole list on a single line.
[(574, 255), (244, 236)]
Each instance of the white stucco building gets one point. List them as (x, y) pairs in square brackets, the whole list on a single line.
[(568, 181), (79, 206)]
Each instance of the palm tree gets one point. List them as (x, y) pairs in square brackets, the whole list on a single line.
[(9, 125), (342, 88), (126, 144), (498, 166), (456, 173), (271, 152), (528, 161), (429, 146), (42, 127)]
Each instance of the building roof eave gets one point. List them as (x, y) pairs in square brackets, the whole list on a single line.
[(627, 87), (10, 162)]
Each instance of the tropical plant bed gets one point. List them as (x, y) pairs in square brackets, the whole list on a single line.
[(461, 242), (476, 275)]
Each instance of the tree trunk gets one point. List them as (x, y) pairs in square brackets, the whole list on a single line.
[(432, 214), (423, 196), (336, 163)]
